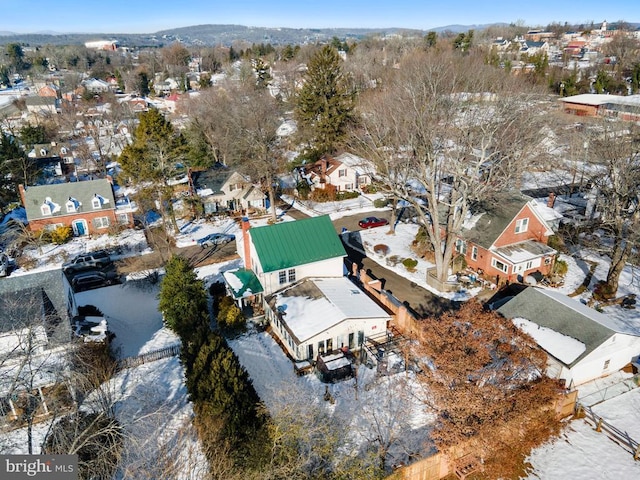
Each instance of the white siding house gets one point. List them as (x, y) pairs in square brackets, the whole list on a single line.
[(582, 343)]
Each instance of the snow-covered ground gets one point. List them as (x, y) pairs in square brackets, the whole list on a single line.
[(579, 453)]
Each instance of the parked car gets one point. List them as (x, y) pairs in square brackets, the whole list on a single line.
[(87, 261), (4, 265), (92, 279), (216, 239), (370, 222)]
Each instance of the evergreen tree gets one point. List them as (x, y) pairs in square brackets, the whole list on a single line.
[(12, 158), (183, 300), (263, 76), (220, 388), (431, 39), (324, 104), (155, 156)]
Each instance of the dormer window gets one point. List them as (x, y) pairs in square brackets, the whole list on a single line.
[(73, 205), (98, 201), (49, 207), (43, 152), (63, 150)]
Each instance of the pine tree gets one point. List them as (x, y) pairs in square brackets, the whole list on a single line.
[(324, 104), (154, 156), (183, 300)]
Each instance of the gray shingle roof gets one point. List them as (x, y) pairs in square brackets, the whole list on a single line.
[(59, 193), (495, 219), (24, 298), (561, 314)]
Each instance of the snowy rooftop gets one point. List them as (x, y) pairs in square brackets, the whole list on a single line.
[(314, 305), (562, 347)]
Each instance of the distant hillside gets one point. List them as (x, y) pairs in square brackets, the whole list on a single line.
[(211, 35)]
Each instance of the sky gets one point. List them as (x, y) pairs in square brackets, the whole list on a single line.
[(145, 16)]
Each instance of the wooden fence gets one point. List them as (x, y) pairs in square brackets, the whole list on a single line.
[(621, 438), (152, 356)]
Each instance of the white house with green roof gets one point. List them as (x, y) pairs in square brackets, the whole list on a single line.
[(296, 270), (286, 252)]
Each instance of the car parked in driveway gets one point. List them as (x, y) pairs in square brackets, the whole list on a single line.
[(92, 279), (216, 239), (87, 261), (371, 222)]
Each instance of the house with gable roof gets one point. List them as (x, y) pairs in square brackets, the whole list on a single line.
[(582, 344), (344, 173), (88, 207), (507, 240), (296, 270), (223, 189)]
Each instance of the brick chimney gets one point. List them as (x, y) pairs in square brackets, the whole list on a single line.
[(21, 192), (246, 242), (551, 200)]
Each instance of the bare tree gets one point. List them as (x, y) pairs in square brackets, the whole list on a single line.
[(615, 151), (30, 367), (443, 140)]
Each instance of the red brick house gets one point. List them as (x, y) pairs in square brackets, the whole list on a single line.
[(508, 240), (88, 207)]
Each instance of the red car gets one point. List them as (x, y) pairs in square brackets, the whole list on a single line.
[(371, 222)]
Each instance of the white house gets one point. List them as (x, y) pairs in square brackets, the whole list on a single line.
[(296, 270), (346, 172), (318, 316), (582, 344)]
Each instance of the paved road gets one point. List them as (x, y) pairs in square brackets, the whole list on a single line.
[(421, 301)]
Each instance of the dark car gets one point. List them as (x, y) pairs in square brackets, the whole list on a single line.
[(4, 265), (87, 261), (370, 222), (93, 279), (216, 239)]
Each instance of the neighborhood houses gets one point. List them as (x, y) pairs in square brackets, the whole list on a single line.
[(343, 257)]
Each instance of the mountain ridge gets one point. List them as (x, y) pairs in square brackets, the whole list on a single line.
[(225, 34)]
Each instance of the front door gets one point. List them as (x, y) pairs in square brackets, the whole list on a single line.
[(79, 227)]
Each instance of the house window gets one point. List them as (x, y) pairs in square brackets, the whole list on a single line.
[(522, 225), (292, 275), (123, 218), (282, 277), (348, 186), (461, 247), (321, 348), (474, 253), (329, 345), (101, 222), (310, 352), (72, 205), (528, 265), (606, 364), (342, 173), (45, 209), (351, 341), (503, 267)]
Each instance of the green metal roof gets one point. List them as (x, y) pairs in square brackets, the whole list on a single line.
[(242, 282), (289, 244)]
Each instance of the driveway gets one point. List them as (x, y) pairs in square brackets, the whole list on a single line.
[(422, 302)]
